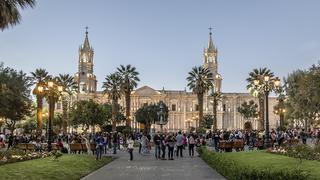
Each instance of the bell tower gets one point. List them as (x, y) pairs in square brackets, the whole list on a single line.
[(85, 78), (211, 62)]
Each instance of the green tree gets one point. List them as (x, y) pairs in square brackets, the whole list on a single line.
[(130, 80), (208, 121), (39, 77), (15, 100), (257, 74), (70, 87), (29, 125), (200, 81), (248, 110), (9, 11), (112, 86), (87, 113), (57, 122), (303, 91), (149, 114), (120, 117)]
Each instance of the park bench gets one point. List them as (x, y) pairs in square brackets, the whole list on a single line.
[(55, 147), (225, 145), (84, 148), (92, 148), (75, 147), (238, 145), (291, 142), (30, 147), (22, 146)]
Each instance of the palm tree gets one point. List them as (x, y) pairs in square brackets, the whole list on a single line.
[(70, 86), (112, 87), (200, 81), (257, 74), (39, 77), (9, 11), (130, 78), (216, 96)]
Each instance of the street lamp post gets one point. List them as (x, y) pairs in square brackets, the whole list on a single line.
[(266, 84), (51, 90), (196, 119), (38, 91), (280, 111), (188, 121), (161, 116)]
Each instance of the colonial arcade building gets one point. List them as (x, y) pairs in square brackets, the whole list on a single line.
[(182, 104)]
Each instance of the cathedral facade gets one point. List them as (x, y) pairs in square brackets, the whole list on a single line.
[(183, 107)]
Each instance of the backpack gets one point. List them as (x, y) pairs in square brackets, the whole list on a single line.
[(191, 140)]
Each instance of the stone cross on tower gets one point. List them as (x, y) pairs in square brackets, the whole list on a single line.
[(85, 78), (210, 29), (211, 61)]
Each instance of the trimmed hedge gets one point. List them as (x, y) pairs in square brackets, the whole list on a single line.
[(235, 171)]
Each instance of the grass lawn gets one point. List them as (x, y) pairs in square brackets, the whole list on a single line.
[(261, 159), (67, 167)]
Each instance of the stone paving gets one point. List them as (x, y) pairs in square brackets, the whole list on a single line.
[(146, 167)]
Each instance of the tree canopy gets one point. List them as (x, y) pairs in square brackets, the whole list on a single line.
[(15, 100), (303, 96), (9, 11), (87, 113), (248, 110), (200, 81), (149, 114)]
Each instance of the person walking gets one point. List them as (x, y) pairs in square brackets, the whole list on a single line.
[(156, 140), (171, 143), (163, 146), (130, 143), (115, 142), (99, 146), (10, 141), (179, 143), (144, 144), (191, 145)]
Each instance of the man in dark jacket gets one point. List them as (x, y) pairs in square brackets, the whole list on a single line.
[(156, 141), (115, 142)]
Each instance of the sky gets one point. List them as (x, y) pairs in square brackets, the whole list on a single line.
[(165, 39)]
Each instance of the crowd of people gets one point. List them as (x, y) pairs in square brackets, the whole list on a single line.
[(170, 145), (166, 145), (256, 138)]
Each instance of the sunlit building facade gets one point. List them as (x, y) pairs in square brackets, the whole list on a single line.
[(183, 105)]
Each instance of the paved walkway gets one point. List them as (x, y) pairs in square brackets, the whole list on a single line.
[(147, 167)]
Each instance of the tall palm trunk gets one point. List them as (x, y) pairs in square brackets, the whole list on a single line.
[(215, 104), (200, 105), (261, 112), (39, 115), (114, 113), (64, 115), (128, 106)]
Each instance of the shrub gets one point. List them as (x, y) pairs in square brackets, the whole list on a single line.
[(234, 171), (300, 151)]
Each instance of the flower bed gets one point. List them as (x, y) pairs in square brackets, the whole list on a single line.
[(15, 155), (301, 151)]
